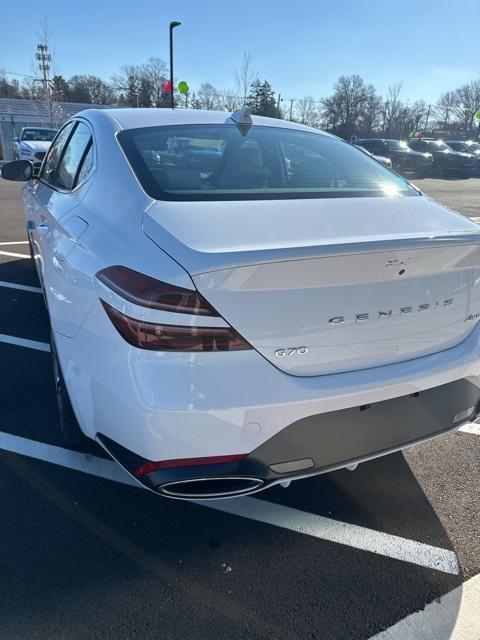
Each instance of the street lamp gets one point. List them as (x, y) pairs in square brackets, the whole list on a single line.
[(172, 27)]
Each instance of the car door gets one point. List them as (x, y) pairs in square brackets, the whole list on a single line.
[(60, 224), (37, 195)]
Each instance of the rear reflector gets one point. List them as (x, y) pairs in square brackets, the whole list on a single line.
[(166, 337), (154, 294), (149, 467)]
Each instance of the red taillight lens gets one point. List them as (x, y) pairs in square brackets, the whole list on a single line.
[(148, 292), (149, 467), (165, 337)]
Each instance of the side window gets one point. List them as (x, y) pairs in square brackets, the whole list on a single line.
[(371, 145), (72, 157), (54, 154), (87, 165)]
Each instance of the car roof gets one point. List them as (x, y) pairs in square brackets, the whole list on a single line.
[(137, 118)]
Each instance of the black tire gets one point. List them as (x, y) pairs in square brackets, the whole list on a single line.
[(69, 428)]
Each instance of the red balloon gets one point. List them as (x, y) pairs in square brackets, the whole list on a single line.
[(167, 87)]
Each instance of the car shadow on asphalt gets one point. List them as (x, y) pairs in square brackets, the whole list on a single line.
[(83, 551)]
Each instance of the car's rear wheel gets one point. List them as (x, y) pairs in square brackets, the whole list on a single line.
[(69, 428)]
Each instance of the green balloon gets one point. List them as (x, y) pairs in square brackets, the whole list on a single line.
[(477, 116), (183, 87)]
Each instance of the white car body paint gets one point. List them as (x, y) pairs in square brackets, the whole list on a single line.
[(277, 278)]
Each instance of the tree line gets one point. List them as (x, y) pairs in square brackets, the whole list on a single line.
[(353, 108)]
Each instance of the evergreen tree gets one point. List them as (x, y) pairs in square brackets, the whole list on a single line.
[(261, 99)]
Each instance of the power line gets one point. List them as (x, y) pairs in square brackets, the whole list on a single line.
[(23, 75)]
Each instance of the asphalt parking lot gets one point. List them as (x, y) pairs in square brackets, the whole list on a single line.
[(86, 555)]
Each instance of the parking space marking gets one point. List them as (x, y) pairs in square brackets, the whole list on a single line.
[(23, 342), (21, 287), (310, 524), (453, 616), (471, 427), (351, 535), (14, 242), (14, 255)]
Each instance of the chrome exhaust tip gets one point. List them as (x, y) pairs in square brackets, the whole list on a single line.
[(204, 488)]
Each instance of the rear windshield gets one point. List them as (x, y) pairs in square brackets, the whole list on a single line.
[(219, 162)]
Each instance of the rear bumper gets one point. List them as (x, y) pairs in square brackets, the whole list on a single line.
[(165, 406), (318, 444)]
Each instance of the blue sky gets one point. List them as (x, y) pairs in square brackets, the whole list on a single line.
[(300, 47)]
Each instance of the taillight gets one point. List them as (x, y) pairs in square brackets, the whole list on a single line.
[(149, 467), (169, 337), (148, 292)]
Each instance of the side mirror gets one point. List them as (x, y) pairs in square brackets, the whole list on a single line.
[(16, 139), (18, 170)]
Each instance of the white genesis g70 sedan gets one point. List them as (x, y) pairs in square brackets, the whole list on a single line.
[(237, 302)]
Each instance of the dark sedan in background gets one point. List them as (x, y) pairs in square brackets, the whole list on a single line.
[(404, 159), (467, 146), (446, 161)]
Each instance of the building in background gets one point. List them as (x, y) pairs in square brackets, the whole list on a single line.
[(15, 114)]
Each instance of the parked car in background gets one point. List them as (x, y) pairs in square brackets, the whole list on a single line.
[(386, 161), (404, 159), (446, 161), (467, 146), (32, 144)]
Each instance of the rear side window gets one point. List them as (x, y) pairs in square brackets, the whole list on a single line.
[(73, 157), (87, 165), (220, 162), (54, 154)]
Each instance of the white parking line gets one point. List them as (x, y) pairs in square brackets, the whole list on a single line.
[(14, 255), (454, 616), (471, 427), (14, 242), (277, 515), (23, 342), (21, 287)]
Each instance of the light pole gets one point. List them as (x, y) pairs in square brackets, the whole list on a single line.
[(171, 28)]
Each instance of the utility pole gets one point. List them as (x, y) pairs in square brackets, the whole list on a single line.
[(278, 101), (428, 116), (44, 59), (292, 100)]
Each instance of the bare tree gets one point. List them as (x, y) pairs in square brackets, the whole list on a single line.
[(345, 108), (306, 111), (206, 97), (392, 107), (245, 76), (230, 100), (127, 84), (445, 107), (371, 111), (157, 73), (466, 103)]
